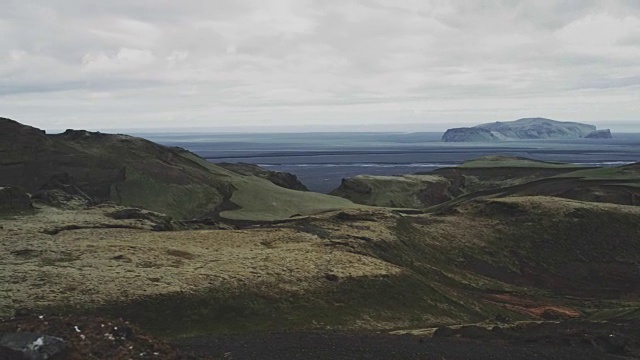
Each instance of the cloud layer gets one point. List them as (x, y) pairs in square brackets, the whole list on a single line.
[(166, 64)]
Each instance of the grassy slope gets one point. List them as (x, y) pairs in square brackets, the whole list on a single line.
[(609, 173), (424, 270), (425, 189), (607, 184), (260, 200), (581, 253), (573, 253), (390, 191), (135, 172), (506, 161), (427, 292)]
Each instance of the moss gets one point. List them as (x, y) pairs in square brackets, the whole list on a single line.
[(179, 201), (513, 162), (389, 301), (261, 200)]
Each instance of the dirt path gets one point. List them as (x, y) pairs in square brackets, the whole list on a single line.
[(337, 345)]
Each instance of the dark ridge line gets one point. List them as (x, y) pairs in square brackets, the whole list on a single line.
[(56, 231)]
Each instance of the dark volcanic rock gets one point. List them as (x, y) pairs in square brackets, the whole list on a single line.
[(84, 338), (33, 346), (282, 179), (14, 200), (346, 346), (61, 191), (599, 134), (616, 338), (162, 222), (522, 129)]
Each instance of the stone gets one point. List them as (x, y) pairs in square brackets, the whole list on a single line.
[(32, 346), (14, 200)]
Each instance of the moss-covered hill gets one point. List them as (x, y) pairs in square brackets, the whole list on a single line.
[(496, 176), (136, 172), (521, 258)]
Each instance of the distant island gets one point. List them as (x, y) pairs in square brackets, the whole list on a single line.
[(525, 129)]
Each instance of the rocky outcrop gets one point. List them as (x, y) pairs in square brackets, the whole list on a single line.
[(61, 191), (522, 129), (282, 179), (14, 200), (599, 134), (31, 346), (407, 191), (160, 222), (69, 337)]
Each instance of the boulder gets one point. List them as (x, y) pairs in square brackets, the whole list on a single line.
[(32, 346), (160, 222), (14, 200), (61, 191)]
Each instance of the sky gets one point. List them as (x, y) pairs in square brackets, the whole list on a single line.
[(325, 65)]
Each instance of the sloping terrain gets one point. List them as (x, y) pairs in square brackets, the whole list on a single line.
[(495, 176), (616, 185), (136, 172), (282, 179), (520, 258), (436, 187), (509, 240), (403, 191)]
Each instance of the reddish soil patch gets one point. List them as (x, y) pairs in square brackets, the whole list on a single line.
[(538, 308)]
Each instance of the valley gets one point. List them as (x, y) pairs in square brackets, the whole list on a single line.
[(495, 250)]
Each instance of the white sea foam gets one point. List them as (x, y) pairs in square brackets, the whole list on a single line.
[(377, 165)]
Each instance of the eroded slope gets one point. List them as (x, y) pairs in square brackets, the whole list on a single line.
[(516, 258)]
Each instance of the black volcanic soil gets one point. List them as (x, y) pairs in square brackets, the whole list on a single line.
[(93, 338), (98, 338), (563, 341)]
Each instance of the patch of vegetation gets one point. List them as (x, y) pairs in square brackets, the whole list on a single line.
[(611, 173), (407, 191), (261, 200), (427, 292), (60, 258), (181, 254), (569, 247), (313, 229), (515, 162), (386, 301)]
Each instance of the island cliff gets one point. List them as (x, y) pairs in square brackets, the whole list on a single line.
[(524, 129)]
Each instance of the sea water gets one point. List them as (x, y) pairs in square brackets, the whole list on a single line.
[(322, 160)]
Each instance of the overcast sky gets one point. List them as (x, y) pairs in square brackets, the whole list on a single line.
[(318, 65)]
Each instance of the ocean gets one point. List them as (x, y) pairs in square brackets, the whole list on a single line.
[(322, 160)]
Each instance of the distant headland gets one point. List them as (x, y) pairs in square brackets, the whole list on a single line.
[(525, 129)]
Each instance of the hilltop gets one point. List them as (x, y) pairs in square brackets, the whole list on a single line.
[(136, 172), (524, 129)]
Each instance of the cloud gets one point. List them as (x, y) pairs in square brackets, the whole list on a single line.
[(125, 60), (152, 64)]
